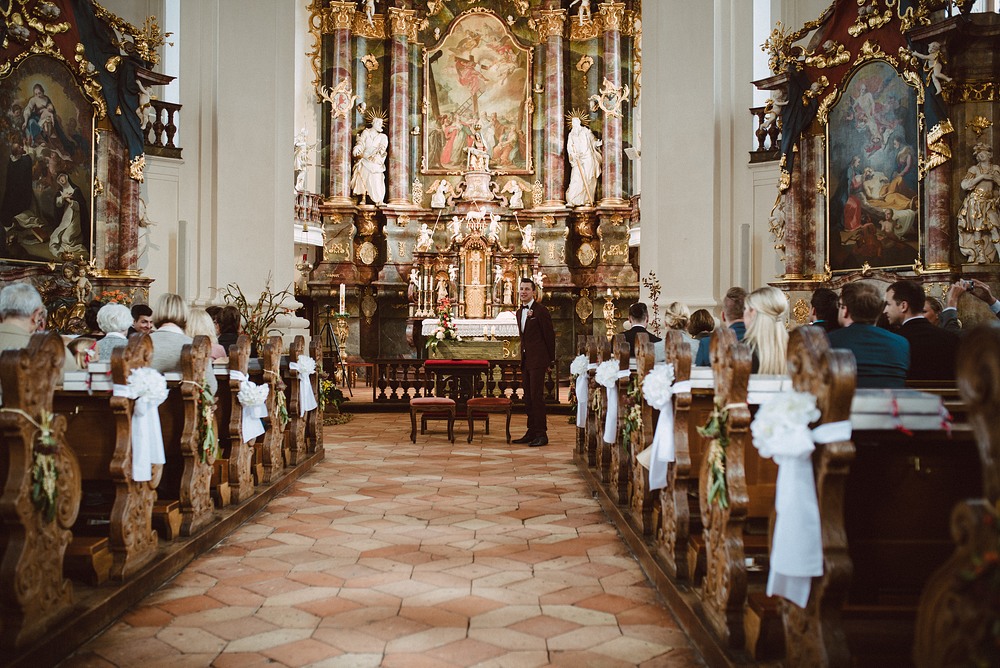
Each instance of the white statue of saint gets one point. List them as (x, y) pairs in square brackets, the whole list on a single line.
[(368, 177), (539, 279), (516, 200), (302, 158), (439, 194), (493, 233), (528, 239), (585, 164), (442, 289), (425, 239), (497, 282), (413, 289), (479, 159)]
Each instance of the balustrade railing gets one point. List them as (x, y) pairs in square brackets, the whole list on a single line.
[(161, 131), (307, 207), (768, 136), (399, 380)]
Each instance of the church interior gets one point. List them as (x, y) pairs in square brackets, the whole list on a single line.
[(407, 166)]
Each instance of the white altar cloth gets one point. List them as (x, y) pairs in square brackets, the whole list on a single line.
[(468, 328)]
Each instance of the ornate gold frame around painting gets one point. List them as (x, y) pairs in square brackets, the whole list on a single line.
[(47, 188), (459, 50), (875, 193)]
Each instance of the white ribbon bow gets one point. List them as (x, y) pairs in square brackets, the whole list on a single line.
[(253, 398), (611, 419), (147, 435), (306, 366), (797, 544), (582, 400), (663, 449)]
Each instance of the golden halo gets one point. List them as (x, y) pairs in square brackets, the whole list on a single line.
[(375, 112), (580, 114)]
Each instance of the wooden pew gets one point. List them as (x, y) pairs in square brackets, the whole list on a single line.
[(591, 434), (581, 449), (295, 434), (643, 503), (238, 453), (187, 474), (601, 450), (270, 443), (619, 453), (99, 432), (958, 608), (314, 419), (34, 595)]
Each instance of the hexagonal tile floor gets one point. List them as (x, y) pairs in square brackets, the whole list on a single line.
[(394, 554)]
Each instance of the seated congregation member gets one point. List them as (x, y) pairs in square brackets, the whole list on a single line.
[(142, 319), (882, 357), (229, 326), (932, 349), (976, 288), (677, 316), (932, 310), (700, 328), (732, 316), (764, 315), (200, 323), (170, 318), (114, 320), (823, 309), (21, 309), (638, 317)]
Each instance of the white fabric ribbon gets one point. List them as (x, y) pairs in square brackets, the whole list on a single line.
[(307, 398), (147, 435), (797, 547), (611, 419), (663, 449), (582, 398), (251, 424)]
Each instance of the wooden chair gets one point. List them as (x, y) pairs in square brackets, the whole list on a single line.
[(484, 406), (434, 405)]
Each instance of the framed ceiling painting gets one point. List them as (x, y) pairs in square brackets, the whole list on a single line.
[(47, 172), (874, 208), (477, 80)]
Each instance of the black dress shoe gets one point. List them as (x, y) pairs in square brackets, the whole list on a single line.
[(541, 440), (527, 438)]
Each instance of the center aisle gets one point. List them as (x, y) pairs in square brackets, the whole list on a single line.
[(394, 554)]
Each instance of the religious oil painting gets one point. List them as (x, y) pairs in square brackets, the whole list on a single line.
[(873, 215), (46, 149), (477, 99)]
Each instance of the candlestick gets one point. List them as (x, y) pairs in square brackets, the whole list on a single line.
[(343, 297), (494, 331), (485, 332)]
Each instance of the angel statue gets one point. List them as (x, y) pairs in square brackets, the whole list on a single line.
[(773, 109), (516, 194), (425, 239), (455, 228), (493, 232), (439, 193), (935, 63), (528, 239)]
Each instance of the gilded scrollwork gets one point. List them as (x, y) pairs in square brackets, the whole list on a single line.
[(612, 14), (831, 55), (869, 18), (403, 23), (550, 23)]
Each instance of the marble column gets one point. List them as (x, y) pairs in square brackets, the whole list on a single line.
[(551, 26), (939, 225), (612, 14), (403, 25), (796, 208), (338, 28)]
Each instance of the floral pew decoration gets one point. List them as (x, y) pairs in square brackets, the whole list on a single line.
[(781, 432), (658, 389), (148, 388), (305, 366), (253, 399), (578, 370), (607, 374)]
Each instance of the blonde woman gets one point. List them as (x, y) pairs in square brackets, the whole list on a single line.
[(764, 313), (200, 323), (170, 316), (677, 315)]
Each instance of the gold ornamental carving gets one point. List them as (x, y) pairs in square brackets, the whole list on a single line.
[(315, 10), (612, 14), (339, 16), (984, 91), (403, 23), (371, 66), (340, 97), (610, 99), (550, 23), (368, 306), (584, 307), (586, 254), (374, 30), (979, 125), (869, 18), (367, 253), (368, 225), (417, 192), (831, 54), (801, 312)]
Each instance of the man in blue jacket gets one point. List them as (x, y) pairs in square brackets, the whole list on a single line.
[(882, 357), (732, 315)]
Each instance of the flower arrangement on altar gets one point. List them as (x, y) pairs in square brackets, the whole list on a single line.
[(446, 329), (114, 296)]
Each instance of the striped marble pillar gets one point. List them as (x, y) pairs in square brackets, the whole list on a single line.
[(939, 224), (403, 27), (612, 14), (340, 16), (551, 26)]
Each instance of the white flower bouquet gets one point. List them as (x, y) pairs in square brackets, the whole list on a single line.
[(148, 383), (578, 366), (306, 365), (781, 426), (251, 394), (607, 373), (656, 386)]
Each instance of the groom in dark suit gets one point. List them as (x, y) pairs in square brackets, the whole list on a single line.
[(538, 352), (932, 349)]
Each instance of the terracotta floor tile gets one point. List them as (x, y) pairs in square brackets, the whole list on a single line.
[(429, 555)]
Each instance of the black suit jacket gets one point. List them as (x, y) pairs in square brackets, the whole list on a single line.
[(932, 350), (538, 338), (631, 333)]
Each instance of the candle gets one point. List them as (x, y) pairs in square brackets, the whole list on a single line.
[(485, 332), (494, 331), (343, 296), (609, 291)]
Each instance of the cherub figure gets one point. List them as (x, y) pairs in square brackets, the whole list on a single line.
[(455, 228), (370, 12), (425, 239), (773, 109), (493, 233), (528, 239), (584, 12), (935, 64)]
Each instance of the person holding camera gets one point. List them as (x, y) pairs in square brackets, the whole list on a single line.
[(949, 314)]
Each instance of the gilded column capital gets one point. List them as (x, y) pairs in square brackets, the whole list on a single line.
[(339, 16), (612, 14), (551, 23), (403, 22)]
